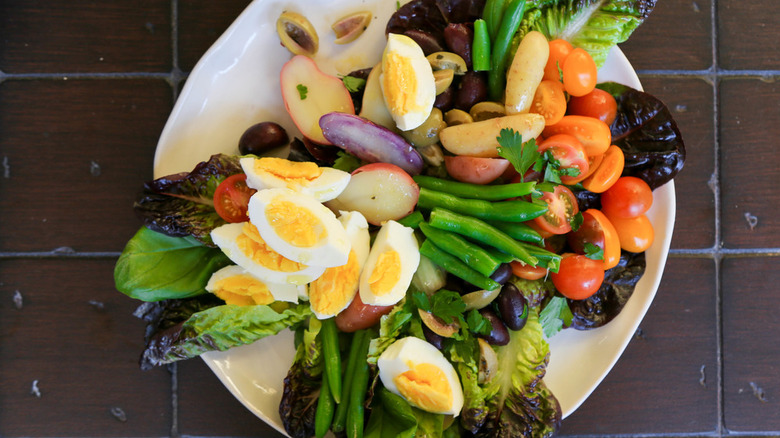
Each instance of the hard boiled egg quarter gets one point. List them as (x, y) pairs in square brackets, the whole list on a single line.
[(337, 286), (323, 183), (299, 227), (391, 263), (418, 372), (408, 85), (237, 286), (242, 243)]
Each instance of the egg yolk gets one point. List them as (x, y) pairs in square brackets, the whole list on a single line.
[(294, 173), (296, 225), (426, 386), (386, 273), (400, 84), (243, 290), (253, 246), (335, 288)]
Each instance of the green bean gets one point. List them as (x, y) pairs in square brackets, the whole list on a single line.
[(456, 267), (550, 259), (518, 231), (482, 232), (513, 211), (492, 13), (499, 255), (496, 192), (480, 52), (340, 417), (499, 58), (412, 220), (469, 253), (325, 407), (357, 393), (332, 357)]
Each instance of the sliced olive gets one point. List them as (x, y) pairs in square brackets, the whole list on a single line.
[(457, 117), (348, 28), (487, 110), (488, 362), (443, 79), (297, 34), (437, 325), (427, 133), (481, 298), (448, 60), (432, 154)]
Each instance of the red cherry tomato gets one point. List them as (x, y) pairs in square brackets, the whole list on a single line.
[(598, 104), (596, 229), (527, 272), (231, 198), (578, 277), (570, 154), (628, 197), (579, 73), (561, 208), (358, 316)]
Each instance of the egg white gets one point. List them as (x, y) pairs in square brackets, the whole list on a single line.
[(403, 58), (391, 237), (280, 292), (328, 185)]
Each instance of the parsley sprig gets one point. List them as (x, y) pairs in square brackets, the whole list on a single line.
[(450, 307)]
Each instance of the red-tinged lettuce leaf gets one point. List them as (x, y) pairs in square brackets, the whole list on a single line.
[(430, 17), (619, 284), (648, 135), (302, 385), (182, 204)]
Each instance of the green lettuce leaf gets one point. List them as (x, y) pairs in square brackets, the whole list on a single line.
[(520, 404), (183, 204), (391, 327), (391, 417), (155, 267), (594, 25), (218, 329)]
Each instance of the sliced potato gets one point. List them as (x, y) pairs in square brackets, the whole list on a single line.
[(478, 139)]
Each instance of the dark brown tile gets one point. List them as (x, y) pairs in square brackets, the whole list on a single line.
[(690, 102), (677, 35), (206, 407), (656, 386), (750, 125), (84, 36), (747, 34), (200, 24), (751, 381), (76, 336), (75, 153)]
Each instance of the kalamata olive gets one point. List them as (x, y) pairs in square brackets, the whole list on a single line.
[(512, 306), (499, 335), (459, 38), (260, 138), (427, 42), (502, 274), (432, 338), (472, 89), (446, 99)]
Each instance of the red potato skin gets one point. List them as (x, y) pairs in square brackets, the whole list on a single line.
[(475, 170), (359, 316)]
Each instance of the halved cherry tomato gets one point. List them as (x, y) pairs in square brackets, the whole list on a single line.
[(231, 198), (628, 197), (569, 153), (579, 72), (527, 272), (578, 277), (549, 101), (475, 170), (594, 134), (593, 163), (561, 208), (597, 230), (559, 50), (358, 315), (636, 234), (598, 104), (607, 173)]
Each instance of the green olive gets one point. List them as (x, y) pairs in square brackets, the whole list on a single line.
[(448, 61), (297, 34), (443, 79), (457, 117), (487, 110), (428, 132)]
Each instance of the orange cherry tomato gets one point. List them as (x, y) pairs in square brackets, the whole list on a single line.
[(569, 153), (628, 197), (578, 277), (527, 272), (559, 50), (608, 172), (597, 230), (594, 134), (598, 104), (549, 101), (636, 234), (593, 163), (579, 73)]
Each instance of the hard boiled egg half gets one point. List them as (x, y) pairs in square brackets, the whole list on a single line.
[(408, 85), (337, 286), (299, 227), (418, 372), (235, 285), (323, 183), (391, 263)]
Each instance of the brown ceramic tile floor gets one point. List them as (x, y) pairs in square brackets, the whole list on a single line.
[(86, 87)]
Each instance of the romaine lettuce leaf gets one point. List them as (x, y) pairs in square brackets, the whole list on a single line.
[(218, 329), (182, 204)]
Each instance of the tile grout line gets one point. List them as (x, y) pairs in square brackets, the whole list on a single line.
[(174, 80)]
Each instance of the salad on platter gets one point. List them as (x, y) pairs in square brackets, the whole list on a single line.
[(424, 226)]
